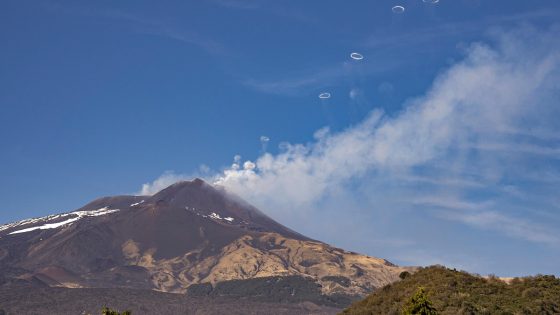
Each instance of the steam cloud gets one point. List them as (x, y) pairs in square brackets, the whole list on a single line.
[(485, 125)]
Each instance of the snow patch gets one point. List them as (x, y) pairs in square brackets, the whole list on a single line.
[(33, 221), (47, 226), (212, 215), (216, 216), (77, 216), (135, 204), (193, 209)]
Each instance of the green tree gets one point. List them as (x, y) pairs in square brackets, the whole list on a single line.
[(403, 275), (419, 304), (108, 311)]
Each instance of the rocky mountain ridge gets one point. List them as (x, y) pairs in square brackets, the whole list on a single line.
[(187, 234)]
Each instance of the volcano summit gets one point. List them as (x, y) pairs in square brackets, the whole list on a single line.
[(190, 237)]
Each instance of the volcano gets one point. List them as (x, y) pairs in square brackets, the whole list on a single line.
[(190, 237)]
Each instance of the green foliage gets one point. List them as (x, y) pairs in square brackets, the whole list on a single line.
[(458, 292), (108, 311), (419, 304), (403, 275)]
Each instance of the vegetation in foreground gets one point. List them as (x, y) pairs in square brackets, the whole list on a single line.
[(458, 292), (25, 299), (419, 304), (108, 311)]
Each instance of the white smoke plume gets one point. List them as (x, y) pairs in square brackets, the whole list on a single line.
[(485, 129), (481, 104)]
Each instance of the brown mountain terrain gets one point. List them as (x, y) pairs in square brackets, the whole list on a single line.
[(190, 233)]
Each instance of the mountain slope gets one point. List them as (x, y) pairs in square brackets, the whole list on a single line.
[(188, 233)]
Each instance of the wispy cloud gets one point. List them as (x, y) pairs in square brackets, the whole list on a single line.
[(275, 8), (169, 177), (489, 90), (424, 37), (432, 159), (145, 25), (319, 78), (239, 4), (553, 152), (418, 40), (515, 227), (447, 202), (186, 36)]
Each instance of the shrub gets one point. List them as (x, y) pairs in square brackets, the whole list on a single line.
[(403, 275), (419, 304), (457, 292), (108, 311)]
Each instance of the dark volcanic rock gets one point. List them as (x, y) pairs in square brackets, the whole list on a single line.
[(185, 217), (190, 237)]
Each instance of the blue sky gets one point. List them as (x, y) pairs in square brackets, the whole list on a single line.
[(442, 143)]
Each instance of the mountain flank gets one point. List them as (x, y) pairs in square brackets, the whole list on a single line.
[(189, 235)]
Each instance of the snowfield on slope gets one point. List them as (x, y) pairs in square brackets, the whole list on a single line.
[(77, 215)]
